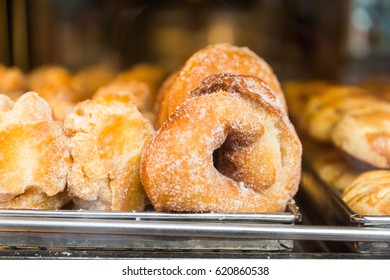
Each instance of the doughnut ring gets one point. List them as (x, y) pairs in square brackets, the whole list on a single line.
[(230, 147)]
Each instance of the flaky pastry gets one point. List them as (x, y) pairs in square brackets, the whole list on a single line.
[(34, 155), (106, 139), (369, 194)]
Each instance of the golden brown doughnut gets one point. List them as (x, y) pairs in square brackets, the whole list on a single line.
[(214, 59), (258, 158), (106, 138), (34, 155), (369, 194)]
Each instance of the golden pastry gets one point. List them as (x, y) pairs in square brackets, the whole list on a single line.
[(12, 82), (34, 155), (54, 84), (106, 139), (369, 194)]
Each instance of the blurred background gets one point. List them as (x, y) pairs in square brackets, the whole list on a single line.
[(342, 40)]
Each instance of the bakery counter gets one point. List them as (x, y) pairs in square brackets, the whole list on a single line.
[(74, 234)]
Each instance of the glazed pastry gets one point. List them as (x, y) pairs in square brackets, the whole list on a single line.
[(240, 122), (34, 155), (12, 82), (333, 169), (106, 139), (365, 134), (54, 84), (369, 194), (214, 59), (324, 110)]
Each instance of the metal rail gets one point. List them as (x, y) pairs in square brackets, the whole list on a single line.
[(191, 229)]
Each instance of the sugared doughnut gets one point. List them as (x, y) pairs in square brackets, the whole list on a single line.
[(34, 155), (106, 137), (240, 122), (214, 59)]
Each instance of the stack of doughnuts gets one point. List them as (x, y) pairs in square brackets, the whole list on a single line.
[(354, 124), (224, 141)]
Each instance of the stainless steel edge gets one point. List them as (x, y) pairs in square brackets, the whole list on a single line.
[(229, 230), (283, 217)]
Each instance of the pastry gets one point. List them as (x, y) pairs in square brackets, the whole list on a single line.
[(365, 134), (106, 138), (12, 82), (34, 155), (89, 79), (369, 194), (54, 84)]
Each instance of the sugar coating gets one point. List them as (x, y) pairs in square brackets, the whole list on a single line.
[(214, 59), (258, 157)]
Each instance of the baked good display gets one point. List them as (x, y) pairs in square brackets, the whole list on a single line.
[(12, 82), (214, 59), (237, 123), (106, 138), (352, 119), (34, 155), (348, 127), (369, 194)]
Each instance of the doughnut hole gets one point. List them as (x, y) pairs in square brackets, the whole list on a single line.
[(241, 147)]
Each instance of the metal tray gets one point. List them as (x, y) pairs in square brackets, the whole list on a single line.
[(330, 206), (151, 230)]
